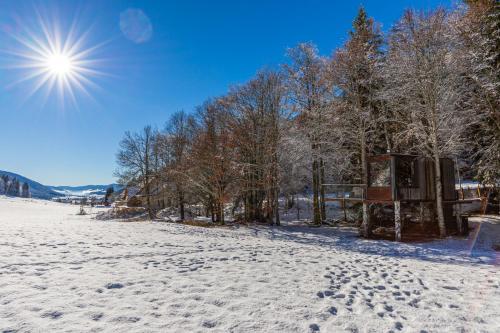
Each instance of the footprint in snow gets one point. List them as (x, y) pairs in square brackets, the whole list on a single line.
[(52, 314), (450, 288), (97, 316), (124, 319), (314, 327), (114, 286), (209, 324)]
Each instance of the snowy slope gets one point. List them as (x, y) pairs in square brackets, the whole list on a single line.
[(48, 192), (62, 272), (85, 191), (37, 190)]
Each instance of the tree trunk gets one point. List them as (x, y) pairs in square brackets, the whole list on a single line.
[(181, 205), (364, 173), (148, 198), (439, 194), (212, 211), (221, 209), (276, 207), (322, 189), (387, 138), (316, 210)]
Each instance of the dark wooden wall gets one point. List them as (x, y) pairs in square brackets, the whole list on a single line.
[(423, 187)]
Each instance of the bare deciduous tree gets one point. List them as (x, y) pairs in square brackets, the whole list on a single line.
[(308, 89), (136, 163)]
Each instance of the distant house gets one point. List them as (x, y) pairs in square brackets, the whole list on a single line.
[(135, 196)]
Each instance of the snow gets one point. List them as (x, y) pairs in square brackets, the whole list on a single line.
[(83, 193), (60, 272)]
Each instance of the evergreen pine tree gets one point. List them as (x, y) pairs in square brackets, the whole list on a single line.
[(25, 193), (13, 188)]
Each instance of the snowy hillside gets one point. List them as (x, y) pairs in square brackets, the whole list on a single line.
[(85, 191), (63, 272), (37, 190), (48, 192)]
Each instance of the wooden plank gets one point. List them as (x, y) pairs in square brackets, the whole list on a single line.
[(344, 199), (379, 193), (383, 202), (378, 158)]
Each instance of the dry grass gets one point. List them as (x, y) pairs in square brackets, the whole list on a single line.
[(129, 213), (203, 224)]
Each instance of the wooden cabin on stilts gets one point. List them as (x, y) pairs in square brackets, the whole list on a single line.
[(399, 201)]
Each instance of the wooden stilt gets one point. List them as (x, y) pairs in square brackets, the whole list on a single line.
[(397, 220), (344, 208), (422, 212), (458, 219), (366, 220)]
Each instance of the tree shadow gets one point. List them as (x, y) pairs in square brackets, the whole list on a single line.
[(477, 248)]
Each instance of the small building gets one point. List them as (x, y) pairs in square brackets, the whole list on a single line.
[(406, 185), (408, 178), (136, 196)]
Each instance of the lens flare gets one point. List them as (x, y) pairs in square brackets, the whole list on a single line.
[(60, 64), (59, 61)]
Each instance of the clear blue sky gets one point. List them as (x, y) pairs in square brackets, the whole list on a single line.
[(197, 50)]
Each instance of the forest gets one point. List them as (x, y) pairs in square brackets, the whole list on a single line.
[(11, 186), (430, 86)]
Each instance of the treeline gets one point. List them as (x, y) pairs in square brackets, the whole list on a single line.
[(430, 86), (13, 187)]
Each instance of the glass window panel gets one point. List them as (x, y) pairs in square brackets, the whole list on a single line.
[(380, 174)]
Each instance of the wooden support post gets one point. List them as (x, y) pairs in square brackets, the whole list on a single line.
[(344, 208), (422, 212), (397, 220), (458, 219), (366, 220)]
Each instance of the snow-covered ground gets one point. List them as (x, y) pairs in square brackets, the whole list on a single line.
[(60, 272)]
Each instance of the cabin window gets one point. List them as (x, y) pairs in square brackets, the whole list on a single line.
[(406, 173), (380, 174)]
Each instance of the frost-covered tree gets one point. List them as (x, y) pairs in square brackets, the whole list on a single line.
[(309, 91), (25, 190), (477, 30), (4, 183), (256, 109), (355, 70), (13, 188), (422, 87)]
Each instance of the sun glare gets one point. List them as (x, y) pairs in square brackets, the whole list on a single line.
[(60, 64), (56, 59)]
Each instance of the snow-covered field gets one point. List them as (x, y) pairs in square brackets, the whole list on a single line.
[(60, 272)]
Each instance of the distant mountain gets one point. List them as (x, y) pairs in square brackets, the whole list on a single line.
[(48, 192), (85, 191), (37, 190)]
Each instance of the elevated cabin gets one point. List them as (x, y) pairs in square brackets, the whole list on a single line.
[(407, 184), (407, 178)]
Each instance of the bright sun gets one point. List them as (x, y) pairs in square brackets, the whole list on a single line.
[(60, 64)]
